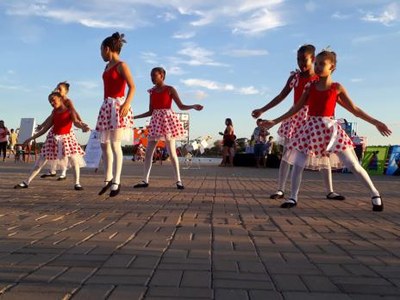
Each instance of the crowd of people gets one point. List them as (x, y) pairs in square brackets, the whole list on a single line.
[(310, 135)]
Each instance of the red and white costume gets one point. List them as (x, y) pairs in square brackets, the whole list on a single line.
[(61, 144), (114, 96), (289, 126), (164, 123), (320, 136)]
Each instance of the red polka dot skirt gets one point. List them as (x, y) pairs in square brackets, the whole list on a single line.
[(109, 117), (58, 147), (321, 139), (289, 126), (165, 125)]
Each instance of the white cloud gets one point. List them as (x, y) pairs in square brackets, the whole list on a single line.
[(258, 22), (250, 90), (388, 16), (355, 80), (175, 70), (167, 17), (184, 35), (246, 52), (197, 56), (217, 86), (87, 85)]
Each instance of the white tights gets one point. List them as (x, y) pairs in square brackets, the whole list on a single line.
[(348, 158), (148, 161), (39, 164), (113, 157), (284, 170)]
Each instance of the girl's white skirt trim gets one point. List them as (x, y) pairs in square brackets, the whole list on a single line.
[(63, 150), (165, 125), (109, 120), (320, 139), (289, 126)]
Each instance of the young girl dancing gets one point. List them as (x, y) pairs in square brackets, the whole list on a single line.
[(115, 121), (61, 147), (164, 124), (297, 80), (320, 141), (63, 89)]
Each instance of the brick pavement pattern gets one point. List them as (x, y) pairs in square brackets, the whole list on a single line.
[(220, 238)]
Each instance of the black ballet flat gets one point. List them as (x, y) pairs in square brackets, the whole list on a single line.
[(376, 207), (21, 185), (277, 195), (78, 187), (48, 175), (289, 203), (114, 193), (143, 184), (106, 187), (332, 196), (179, 185)]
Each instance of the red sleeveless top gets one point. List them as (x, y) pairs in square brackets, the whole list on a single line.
[(62, 122), (322, 103), (160, 100), (301, 83), (114, 83)]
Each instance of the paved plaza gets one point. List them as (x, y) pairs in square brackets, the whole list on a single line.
[(220, 238)]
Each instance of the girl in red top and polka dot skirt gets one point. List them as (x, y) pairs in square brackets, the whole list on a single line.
[(288, 128), (115, 120), (320, 140), (61, 146), (164, 124)]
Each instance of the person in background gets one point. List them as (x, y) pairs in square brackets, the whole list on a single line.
[(13, 139), (259, 137), (228, 144), (4, 133)]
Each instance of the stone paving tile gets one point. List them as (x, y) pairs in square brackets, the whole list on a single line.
[(220, 238)]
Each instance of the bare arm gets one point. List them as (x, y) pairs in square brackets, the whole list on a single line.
[(274, 102), (146, 114), (48, 121), (293, 110), (181, 106), (345, 101), (126, 74), (45, 127)]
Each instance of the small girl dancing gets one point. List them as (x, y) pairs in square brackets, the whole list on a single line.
[(62, 146), (164, 124), (115, 120), (320, 141)]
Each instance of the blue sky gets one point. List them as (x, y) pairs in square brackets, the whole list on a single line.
[(230, 56)]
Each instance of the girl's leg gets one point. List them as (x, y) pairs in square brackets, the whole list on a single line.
[(107, 161), (148, 160), (231, 155), (39, 164), (297, 174), (115, 139), (327, 178), (350, 160), (77, 174), (170, 144), (283, 174)]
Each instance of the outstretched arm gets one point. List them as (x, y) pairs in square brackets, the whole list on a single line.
[(345, 101), (175, 97), (293, 110), (146, 114), (45, 127), (274, 102)]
